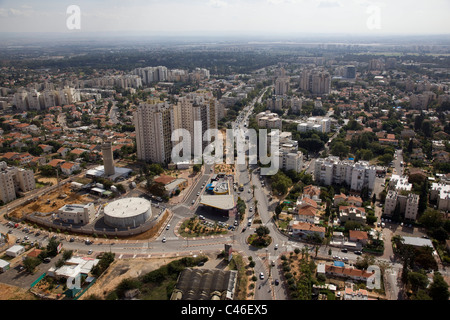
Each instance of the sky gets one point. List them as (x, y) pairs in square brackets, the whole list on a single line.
[(197, 17)]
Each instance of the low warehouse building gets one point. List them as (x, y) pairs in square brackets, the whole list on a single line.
[(4, 265), (15, 251)]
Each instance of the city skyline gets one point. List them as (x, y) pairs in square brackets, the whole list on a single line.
[(230, 17)]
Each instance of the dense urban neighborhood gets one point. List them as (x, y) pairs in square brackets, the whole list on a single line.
[(94, 207)]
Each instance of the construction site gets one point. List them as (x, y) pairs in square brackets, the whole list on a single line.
[(51, 202)]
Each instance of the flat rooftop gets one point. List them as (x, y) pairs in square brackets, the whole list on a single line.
[(223, 202), (127, 207), (418, 242), (100, 172)]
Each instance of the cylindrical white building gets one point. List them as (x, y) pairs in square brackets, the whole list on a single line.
[(127, 212)]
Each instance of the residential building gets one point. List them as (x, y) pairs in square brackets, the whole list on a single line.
[(390, 203), (269, 120), (440, 192), (12, 180), (316, 82), (359, 294), (312, 192), (352, 200), (69, 168), (152, 74), (281, 86), (412, 206), (296, 104), (304, 229), (307, 214), (358, 236), (290, 160), (356, 175), (348, 273), (398, 183), (352, 213), (408, 204), (154, 122), (315, 123), (200, 107)]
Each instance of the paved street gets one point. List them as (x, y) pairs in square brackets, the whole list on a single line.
[(175, 245)]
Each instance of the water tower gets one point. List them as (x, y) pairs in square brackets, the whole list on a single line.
[(108, 159)]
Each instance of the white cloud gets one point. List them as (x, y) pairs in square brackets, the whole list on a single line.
[(217, 3), (329, 4)]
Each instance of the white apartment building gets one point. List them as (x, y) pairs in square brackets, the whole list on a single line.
[(412, 206), (332, 170), (400, 183), (290, 160), (441, 193), (12, 180), (315, 123), (34, 100), (77, 213), (408, 204), (152, 74), (390, 203), (269, 120)]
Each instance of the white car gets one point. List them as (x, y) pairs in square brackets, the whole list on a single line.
[(164, 239), (261, 276)]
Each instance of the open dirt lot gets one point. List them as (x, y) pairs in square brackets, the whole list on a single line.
[(131, 268), (41, 205), (122, 269), (8, 292)]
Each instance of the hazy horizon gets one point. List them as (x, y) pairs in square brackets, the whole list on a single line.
[(229, 17)]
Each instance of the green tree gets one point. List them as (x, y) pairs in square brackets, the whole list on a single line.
[(439, 288), (340, 149), (385, 159), (67, 254), (52, 247), (30, 264), (196, 168), (427, 128), (417, 280), (262, 231)]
